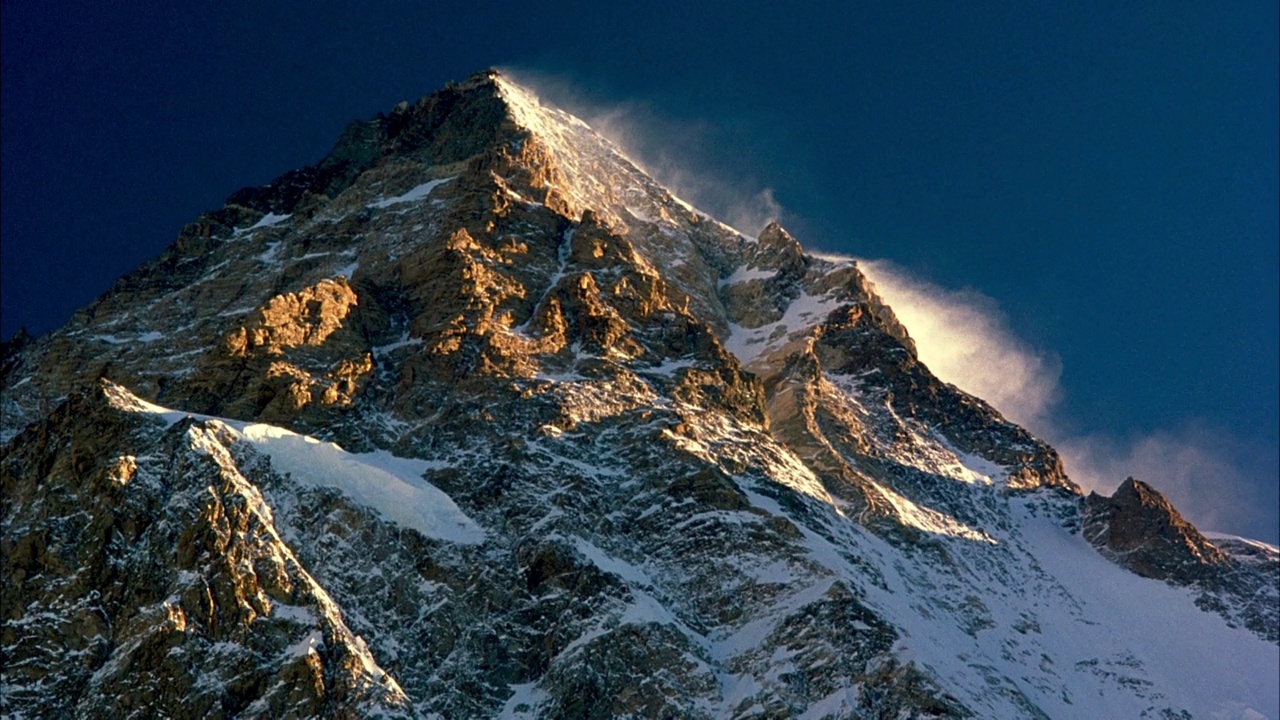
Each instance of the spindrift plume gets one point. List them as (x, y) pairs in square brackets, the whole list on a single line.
[(965, 338)]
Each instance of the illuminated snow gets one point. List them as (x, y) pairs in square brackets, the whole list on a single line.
[(390, 485)]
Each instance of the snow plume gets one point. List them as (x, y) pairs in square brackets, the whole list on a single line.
[(1211, 477), (965, 339), (688, 157)]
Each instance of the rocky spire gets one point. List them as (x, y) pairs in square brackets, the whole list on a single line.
[(1140, 529)]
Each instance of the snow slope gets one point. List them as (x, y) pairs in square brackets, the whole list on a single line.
[(390, 485)]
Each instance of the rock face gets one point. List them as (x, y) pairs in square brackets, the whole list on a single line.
[(147, 578), (1138, 528), (474, 419), (1142, 531)]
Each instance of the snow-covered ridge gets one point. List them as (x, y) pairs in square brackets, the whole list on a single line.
[(1257, 544), (390, 485)]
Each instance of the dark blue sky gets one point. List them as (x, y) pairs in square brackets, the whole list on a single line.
[(1106, 171)]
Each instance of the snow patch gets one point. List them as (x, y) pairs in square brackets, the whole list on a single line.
[(380, 480), (417, 193), (392, 486), (523, 703), (745, 274), (806, 311), (310, 644), (268, 220), (270, 256)]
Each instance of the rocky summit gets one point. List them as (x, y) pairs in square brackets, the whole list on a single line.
[(474, 419)]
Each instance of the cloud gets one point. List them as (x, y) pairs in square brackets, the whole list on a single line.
[(1210, 476), (688, 157)]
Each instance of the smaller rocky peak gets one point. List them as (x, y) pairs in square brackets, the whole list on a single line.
[(482, 79), (774, 235), (1133, 491), (1139, 529), (777, 249)]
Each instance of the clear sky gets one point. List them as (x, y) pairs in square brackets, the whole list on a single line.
[(1105, 173)]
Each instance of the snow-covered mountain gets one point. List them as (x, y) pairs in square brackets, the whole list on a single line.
[(474, 419)]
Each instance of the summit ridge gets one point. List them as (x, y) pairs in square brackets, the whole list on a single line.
[(473, 418)]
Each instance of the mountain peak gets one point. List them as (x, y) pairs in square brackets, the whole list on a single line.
[(473, 418), (1140, 528)]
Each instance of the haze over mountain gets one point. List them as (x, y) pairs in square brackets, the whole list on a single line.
[(473, 418)]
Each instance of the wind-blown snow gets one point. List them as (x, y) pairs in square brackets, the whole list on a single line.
[(1258, 544)]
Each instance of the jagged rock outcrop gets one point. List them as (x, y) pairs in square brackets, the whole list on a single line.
[(575, 449), (144, 576), (1138, 528)]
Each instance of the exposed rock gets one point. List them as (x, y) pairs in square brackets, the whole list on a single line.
[(1140, 529), (642, 466), (150, 579)]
